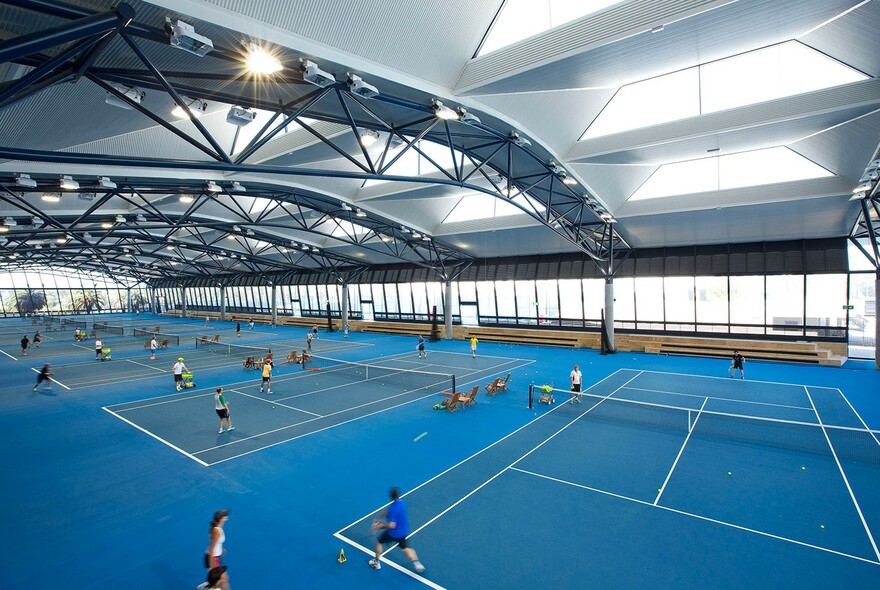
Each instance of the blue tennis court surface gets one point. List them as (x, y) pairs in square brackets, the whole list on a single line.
[(779, 479)]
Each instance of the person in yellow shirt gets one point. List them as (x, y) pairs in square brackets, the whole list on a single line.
[(474, 346), (267, 376)]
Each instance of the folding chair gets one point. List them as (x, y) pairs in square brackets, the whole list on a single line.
[(492, 388), (452, 404), (502, 385), (470, 399)]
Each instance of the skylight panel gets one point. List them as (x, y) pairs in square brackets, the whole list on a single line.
[(413, 163), (521, 19), (480, 206), (769, 73), (753, 168)]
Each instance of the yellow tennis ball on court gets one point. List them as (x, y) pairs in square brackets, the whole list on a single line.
[(803, 468), (821, 526), (729, 473)]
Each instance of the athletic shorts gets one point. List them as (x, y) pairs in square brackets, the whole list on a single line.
[(738, 365), (178, 378), (576, 387), (212, 562), (386, 537), (266, 379), (224, 413)]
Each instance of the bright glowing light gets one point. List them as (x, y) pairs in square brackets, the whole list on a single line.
[(259, 61)]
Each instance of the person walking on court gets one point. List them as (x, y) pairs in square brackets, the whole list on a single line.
[(221, 406), (421, 347), (37, 339), (45, 375), (395, 529), (267, 376), (178, 369), (474, 346), (250, 324), (25, 343), (345, 330), (576, 380), (309, 339), (736, 363), (315, 332), (238, 329), (207, 321), (154, 346), (99, 346), (215, 542)]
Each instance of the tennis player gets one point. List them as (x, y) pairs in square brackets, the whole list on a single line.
[(215, 543), (178, 369), (153, 347), (345, 330), (45, 375), (394, 530), (99, 346), (221, 406), (309, 339), (25, 342), (736, 363), (576, 380), (474, 346), (267, 376), (421, 347)]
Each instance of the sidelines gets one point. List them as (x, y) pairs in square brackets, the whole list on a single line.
[(53, 380), (399, 568), (9, 355), (274, 402), (725, 399), (680, 451), (798, 385), (161, 440)]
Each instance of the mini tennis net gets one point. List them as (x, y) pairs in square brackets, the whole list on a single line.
[(108, 328), (408, 379), (160, 336), (850, 443), (217, 347)]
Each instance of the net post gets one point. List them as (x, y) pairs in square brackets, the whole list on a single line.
[(531, 391), (453, 383)]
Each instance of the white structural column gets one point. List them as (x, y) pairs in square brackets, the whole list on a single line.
[(128, 299), (447, 309), (876, 324), (183, 302), (222, 303), (154, 301), (609, 311), (274, 305), (344, 310)]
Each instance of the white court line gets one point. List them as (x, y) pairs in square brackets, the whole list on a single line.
[(145, 365), (9, 355), (275, 403), (53, 379), (161, 440), (390, 563), (843, 474), (859, 416), (724, 399), (798, 385), (697, 516), (680, 451)]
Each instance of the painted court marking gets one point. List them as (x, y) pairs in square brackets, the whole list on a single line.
[(54, 380)]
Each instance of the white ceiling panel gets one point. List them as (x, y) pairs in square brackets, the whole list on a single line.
[(846, 148), (613, 184)]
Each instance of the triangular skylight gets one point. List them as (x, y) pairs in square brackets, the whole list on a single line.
[(757, 167), (482, 206), (413, 163), (520, 19), (765, 74)]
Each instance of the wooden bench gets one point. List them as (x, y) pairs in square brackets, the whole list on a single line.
[(536, 337), (798, 352), (397, 328)]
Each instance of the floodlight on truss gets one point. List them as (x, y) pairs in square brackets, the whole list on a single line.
[(260, 61), (368, 137), (315, 75), (105, 182), (240, 116), (120, 219), (519, 140), (133, 94), (345, 206), (186, 198), (36, 221), (68, 183), (25, 181), (363, 89), (863, 187), (184, 36), (467, 117), (360, 213), (442, 111), (139, 218), (212, 187), (237, 187), (196, 106)]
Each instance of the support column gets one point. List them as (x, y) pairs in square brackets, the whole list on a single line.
[(222, 303), (344, 310), (274, 305), (128, 299), (447, 310), (876, 323), (183, 302), (609, 312), (154, 301)]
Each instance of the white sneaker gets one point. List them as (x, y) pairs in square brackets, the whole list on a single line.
[(374, 563), (417, 565), (220, 431), (230, 429), (269, 391), (261, 390)]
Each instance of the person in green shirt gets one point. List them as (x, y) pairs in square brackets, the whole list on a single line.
[(221, 406)]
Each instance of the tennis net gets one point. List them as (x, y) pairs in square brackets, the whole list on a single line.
[(108, 328), (408, 379), (74, 323), (857, 444), (160, 336), (217, 347)]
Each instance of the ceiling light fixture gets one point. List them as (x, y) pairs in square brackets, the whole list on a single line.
[(51, 197), (120, 219), (107, 224), (363, 89), (240, 116), (518, 139), (467, 117), (68, 183), (134, 95), (183, 36), (360, 213), (25, 180), (186, 198), (196, 106), (260, 61), (442, 111), (139, 218), (105, 182), (315, 75), (368, 137), (345, 206), (10, 222), (212, 187), (237, 187)]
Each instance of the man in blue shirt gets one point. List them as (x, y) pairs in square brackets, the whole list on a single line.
[(394, 530)]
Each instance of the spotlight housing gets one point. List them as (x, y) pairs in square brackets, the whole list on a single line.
[(184, 36), (68, 183), (363, 89), (442, 111), (105, 182), (240, 116), (467, 117), (25, 180), (315, 75), (212, 187), (260, 61), (133, 94)]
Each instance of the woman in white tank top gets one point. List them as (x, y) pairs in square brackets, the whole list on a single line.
[(218, 537)]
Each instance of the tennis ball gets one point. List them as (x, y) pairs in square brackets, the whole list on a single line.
[(821, 526), (803, 468), (729, 473), (658, 489)]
